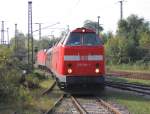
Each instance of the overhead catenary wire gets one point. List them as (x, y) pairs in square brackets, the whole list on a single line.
[(68, 13), (71, 10), (47, 27), (39, 30)]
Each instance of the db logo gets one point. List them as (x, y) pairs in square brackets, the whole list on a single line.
[(83, 58)]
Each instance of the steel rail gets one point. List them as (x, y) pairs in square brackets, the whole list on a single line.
[(107, 105), (55, 104), (129, 88), (78, 106), (49, 89), (141, 85), (130, 85)]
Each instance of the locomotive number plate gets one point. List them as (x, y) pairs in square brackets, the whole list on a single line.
[(83, 58), (83, 65)]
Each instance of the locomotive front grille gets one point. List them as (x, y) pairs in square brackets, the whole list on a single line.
[(84, 80)]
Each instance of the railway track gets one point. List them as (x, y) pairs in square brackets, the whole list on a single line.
[(76, 105), (50, 111), (93, 106), (70, 104), (49, 89), (132, 75), (130, 87)]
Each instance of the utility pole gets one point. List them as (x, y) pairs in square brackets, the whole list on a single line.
[(2, 33), (16, 44), (121, 9), (39, 30), (8, 37), (98, 24), (30, 32)]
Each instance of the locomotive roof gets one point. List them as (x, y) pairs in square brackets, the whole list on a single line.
[(82, 30)]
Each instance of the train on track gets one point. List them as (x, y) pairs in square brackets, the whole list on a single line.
[(77, 59)]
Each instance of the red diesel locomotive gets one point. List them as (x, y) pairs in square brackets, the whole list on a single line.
[(77, 59)]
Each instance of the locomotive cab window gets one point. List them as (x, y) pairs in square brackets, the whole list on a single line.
[(74, 39), (87, 39), (91, 39)]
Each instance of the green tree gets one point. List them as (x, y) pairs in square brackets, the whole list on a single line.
[(145, 40), (9, 74), (19, 41), (5, 54), (145, 44), (19, 46), (132, 27), (45, 43), (92, 25), (117, 50), (106, 36)]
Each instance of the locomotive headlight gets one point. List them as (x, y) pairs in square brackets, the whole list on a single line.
[(69, 70), (83, 30), (97, 70)]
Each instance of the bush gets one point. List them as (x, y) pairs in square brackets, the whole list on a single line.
[(32, 81), (9, 85), (39, 76), (24, 95)]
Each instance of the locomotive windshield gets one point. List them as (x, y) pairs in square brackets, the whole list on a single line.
[(87, 39)]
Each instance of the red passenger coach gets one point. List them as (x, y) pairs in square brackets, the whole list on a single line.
[(78, 59), (41, 58)]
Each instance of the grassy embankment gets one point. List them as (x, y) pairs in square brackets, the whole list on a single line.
[(30, 100), (130, 68), (135, 81), (136, 104)]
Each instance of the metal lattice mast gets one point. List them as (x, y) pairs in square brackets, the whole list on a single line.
[(2, 33), (30, 33)]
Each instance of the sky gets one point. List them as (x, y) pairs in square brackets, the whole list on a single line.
[(61, 13)]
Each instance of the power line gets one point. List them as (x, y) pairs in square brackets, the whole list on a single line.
[(47, 26), (39, 30)]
